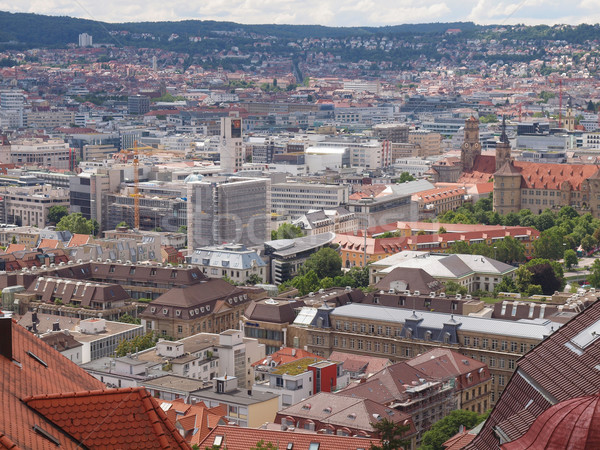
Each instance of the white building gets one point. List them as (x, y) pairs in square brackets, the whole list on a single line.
[(296, 199), (85, 40), (232, 260), (231, 146), (53, 153)]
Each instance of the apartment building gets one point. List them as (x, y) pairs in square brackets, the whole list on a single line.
[(51, 153), (428, 142), (234, 261)]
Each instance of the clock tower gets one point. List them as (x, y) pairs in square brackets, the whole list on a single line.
[(471, 147)]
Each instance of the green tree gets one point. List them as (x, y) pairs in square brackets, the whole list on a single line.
[(287, 231), (325, 263), (392, 435), (261, 445), (254, 279), (123, 225), (542, 272), (442, 230), (76, 224), (588, 243), (138, 343), (549, 245), (460, 247), (405, 176), (594, 276), (570, 258), (506, 285), (452, 288), (57, 212), (182, 229), (127, 318), (360, 275), (444, 429), (509, 250)]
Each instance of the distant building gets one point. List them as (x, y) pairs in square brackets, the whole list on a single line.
[(231, 148), (337, 220), (138, 105), (234, 261), (85, 40)]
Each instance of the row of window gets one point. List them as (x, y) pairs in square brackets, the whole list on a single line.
[(494, 344)]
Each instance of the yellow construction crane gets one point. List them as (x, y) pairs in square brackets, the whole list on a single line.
[(136, 179)]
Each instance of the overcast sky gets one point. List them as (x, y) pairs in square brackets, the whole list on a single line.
[(323, 12)]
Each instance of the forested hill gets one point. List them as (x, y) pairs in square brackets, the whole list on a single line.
[(34, 30)]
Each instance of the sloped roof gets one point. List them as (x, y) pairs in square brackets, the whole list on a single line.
[(24, 376), (270, 310), (104, 418), (352, 362), (239, 438)]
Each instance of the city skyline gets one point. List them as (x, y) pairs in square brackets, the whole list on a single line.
[(328, 13)]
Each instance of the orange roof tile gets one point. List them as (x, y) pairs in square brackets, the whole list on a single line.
[(287, 355), (15, 248), (239, 438), (79, 239), (103, 419), (48, 243)]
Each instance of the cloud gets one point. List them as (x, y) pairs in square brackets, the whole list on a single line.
[(323, 12)]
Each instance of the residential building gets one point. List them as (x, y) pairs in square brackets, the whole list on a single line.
[(12, 103), (300, 379), (233, 261), (359, 366), (428, 142), (267, 321), (343, 415), (236, 438), (184, 311), (36, 420), (194, 422), (434, 202), (337, 220), (66, 344), (393, 132), (245, 408), (85, 40)]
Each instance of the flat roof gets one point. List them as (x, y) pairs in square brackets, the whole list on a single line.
[(238, 396)]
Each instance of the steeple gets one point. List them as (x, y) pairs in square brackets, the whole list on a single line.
[(502, 147)]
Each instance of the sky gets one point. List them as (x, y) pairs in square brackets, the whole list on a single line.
[(322, 12)]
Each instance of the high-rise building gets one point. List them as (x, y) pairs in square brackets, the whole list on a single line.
[(138, 104), (231, 148), (227, 211), (85, 40), (12, 103)]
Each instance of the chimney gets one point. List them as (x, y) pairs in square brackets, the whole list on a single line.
[(6, 337), (34, 318), (56, 326)]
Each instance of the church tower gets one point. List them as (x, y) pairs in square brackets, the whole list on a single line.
[(570, 118), (471, 148), (502, 147)]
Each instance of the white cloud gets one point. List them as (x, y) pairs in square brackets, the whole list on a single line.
[(324, 12)]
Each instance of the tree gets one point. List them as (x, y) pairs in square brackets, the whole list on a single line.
[(594, 277), (506, 285), (254, 279), (360, 275), (442, 230), (588, 243), (136, 344), (325, 263), (570, 258), (460, 247), (452, 287), (57, 212), (444, 429), (127, 318), (287, 231), (405, 176), (549, 245), (123, 225), (95, 227), (182, 229), (76, 224), (391, 434), (541, 272), (261, 445)]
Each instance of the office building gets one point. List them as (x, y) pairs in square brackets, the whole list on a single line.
[(138, 105), (230, 146), (85, 40)]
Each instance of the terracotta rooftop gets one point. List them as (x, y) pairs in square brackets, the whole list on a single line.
[(572, 424), (36, 415), (238, 438), (102, 419), (79, 239)]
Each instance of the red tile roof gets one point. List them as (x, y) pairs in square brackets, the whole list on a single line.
[(49, 243), (459, 441), (30, 387), (572, 424), (552, 176), (483, 169), (102, 419), (15, 248), (238, 438), (79, 239), (195, 420)]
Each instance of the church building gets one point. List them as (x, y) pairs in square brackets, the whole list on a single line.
[(521, 184)]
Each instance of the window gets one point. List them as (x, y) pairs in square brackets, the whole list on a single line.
[(523, 348), (379, 329), (360, 344), (513, 347), (371, 329), (467, 341), (476, 342), (484, 343), (504, 346), (338, 325), (363, 327), (511, 363), (179, 329), (500, 380), (494, 344)]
